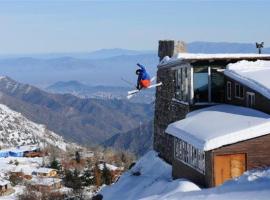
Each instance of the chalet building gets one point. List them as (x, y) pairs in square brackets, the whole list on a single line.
[(247, 84), (217, 143), (20, 151), (22, 172), (193, 83), (45, 172), (46, 184)]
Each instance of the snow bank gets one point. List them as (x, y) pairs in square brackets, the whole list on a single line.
[(220, 125), (155, 183), (253, 74), (155, 180), (200, 56)]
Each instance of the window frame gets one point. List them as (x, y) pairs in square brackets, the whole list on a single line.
[(239, 91), (189, 155), (181, 92), (253, 99), (229, 90)]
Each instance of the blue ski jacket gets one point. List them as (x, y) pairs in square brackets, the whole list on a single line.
[(143, 75)]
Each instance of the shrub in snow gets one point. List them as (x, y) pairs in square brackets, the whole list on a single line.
[(16, 162), (136, 173), (97, 197)]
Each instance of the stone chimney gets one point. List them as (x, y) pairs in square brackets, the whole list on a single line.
[(170, 48)]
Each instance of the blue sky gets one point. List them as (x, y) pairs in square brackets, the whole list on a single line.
[(43, 26)]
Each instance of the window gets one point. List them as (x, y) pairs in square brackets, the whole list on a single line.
[(181, 84), (189, 155), (250, 100), (229, 90), (200, 84), (239, 91)]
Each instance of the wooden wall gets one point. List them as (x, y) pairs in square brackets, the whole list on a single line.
[(257, 151), (261, 102)]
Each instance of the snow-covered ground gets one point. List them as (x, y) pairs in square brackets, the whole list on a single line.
[(26, 165), (155, 183), (14, 196), (16, 130)]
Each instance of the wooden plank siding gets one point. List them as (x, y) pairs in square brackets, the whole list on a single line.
[(257, 152), (261, 102), (229, 166)]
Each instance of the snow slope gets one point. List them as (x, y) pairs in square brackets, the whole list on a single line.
[(155, 183), (155, 180), (16, 130)]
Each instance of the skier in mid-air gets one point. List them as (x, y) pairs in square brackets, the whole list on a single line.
[(143, 77)]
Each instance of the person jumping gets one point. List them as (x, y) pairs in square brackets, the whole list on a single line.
[(143, 78)]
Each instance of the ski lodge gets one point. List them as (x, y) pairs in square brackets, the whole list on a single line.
[(212, 113)]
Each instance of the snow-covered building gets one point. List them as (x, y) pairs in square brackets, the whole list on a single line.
[(19, 151), (195, 82), (46, 184), (45, 172), (22, 171), (248, 84), (236, 140)]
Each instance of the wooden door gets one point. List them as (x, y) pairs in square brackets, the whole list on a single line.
[(228, 166)]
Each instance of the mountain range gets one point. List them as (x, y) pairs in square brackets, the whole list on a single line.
[(85, 121), (81, 90), (138, 140), (104, 67), (102, 116)]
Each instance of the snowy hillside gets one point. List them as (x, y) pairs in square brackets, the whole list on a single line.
[(154, 182), (16, 130)]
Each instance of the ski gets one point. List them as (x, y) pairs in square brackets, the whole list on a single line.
[(133, 92)]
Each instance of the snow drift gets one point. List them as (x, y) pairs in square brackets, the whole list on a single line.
[(154, 182)]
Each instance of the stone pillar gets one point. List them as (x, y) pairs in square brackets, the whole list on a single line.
[(170, 48)]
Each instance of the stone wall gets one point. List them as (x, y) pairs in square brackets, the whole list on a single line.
[(166, 111)]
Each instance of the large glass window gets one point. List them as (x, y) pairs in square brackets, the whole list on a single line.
[(190, 155), (200, 84), (181, 84), (217, 86)]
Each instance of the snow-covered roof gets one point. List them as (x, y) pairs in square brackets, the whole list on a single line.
[(220, 125), (45, 181), (200, 56), (109, 166), (26, 169), (252, 74), (21, 148), (44, 170)]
